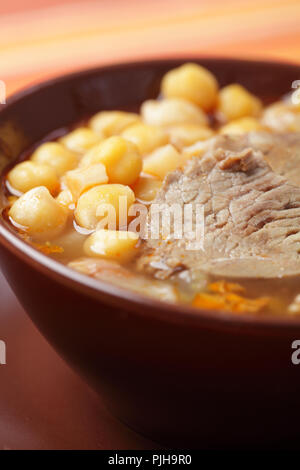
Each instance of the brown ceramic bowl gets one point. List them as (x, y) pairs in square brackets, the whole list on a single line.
[(184, 378)]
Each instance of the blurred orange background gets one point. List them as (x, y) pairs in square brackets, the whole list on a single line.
[(43, 38)]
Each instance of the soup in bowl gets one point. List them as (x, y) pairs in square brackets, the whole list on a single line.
[(150, 226)]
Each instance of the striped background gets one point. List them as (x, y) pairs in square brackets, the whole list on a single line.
[(43, 38)]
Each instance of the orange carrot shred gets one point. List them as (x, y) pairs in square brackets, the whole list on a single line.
[(210, 301), (47, 248), (224, 297)]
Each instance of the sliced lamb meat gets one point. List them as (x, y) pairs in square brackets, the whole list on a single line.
[(282, 151), (251, 214)]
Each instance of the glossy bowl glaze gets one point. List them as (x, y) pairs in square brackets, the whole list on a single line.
[(185, 378)]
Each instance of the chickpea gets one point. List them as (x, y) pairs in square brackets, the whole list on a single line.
[(172, 111), (146, 188), (146, 137), (93, 204), (56, 156), (236, 102), (121, 158), (113, 122), (193, 83), (188, 134), (196, 150), (82, 139), (282, 117), (81, 179), (162, 160), (65, 198), (112, 244), (242, 126), (28, 175), (39, 214)]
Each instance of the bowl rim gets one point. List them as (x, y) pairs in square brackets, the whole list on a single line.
[(112, 294)]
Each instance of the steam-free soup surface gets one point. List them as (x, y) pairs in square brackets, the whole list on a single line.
[(88, 199)]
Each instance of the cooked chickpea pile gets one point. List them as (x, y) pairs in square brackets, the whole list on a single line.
[(122, 155)]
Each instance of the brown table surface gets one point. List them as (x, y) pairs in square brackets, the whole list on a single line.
[(43, 403)]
